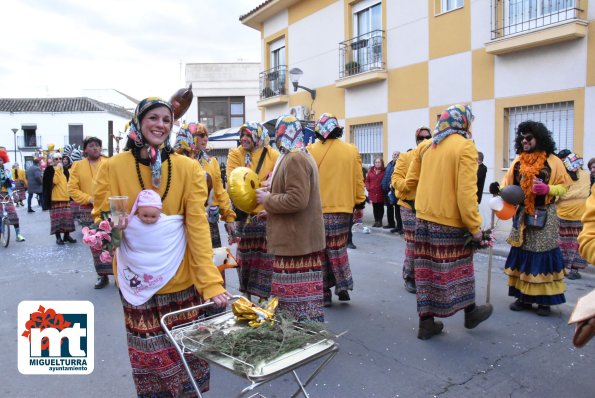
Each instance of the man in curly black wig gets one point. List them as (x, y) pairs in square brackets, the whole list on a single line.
[(543, 138), (534, 266)]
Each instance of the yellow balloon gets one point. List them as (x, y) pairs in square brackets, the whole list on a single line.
[(51, 147), (242, 188)]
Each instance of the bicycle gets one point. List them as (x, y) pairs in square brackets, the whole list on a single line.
[(5, 199)]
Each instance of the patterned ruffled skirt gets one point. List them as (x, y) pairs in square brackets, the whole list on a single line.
[(536, 269)]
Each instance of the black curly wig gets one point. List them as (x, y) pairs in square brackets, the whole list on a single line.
[(543, 137)]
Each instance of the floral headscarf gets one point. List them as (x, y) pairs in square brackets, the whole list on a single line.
[(187, 141), (327, 123), (455, 120), (290, 137), (257, 133), (573, 162), (135, 135)]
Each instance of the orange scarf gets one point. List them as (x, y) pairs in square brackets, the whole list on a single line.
[(531, 165)]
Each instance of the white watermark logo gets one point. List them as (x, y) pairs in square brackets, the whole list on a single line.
[(56, 337)]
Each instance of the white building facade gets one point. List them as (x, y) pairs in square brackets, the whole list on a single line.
[(41, 122)]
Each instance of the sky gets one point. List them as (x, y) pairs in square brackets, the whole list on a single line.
[(57, 48)]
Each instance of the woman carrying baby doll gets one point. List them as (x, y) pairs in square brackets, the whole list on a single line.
[(185, 273)]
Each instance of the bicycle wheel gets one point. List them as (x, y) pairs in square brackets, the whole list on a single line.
[(5, 231)]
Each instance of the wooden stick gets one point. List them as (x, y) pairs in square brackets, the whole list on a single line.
[(490, 255)]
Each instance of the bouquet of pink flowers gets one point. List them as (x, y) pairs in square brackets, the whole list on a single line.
[(487, 240), (101, 237)]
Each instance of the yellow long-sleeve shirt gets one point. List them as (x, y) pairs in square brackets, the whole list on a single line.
[(340, 170), (19, 174), (80, 184), (187, 194), (586, 239), (220, 196), (237, 157), (59, 191), (398, 180), (571, 206), (446, 180)]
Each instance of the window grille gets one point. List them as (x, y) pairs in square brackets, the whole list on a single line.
[(368, 140), (558, 118)]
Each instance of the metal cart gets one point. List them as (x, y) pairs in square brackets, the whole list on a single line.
[(324, 349)]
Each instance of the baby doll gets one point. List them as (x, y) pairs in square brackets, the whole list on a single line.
[(147, 206)]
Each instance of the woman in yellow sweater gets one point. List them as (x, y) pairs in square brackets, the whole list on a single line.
[(20, 183), (406, 202), (446, 209), (570, 208), (57, 200), (192, 140), (148, 162)]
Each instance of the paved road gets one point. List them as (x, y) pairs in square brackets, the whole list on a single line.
[(511, 354)]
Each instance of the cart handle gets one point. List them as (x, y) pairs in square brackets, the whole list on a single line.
[(208, 303)]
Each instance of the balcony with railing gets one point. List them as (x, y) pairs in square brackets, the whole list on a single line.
[(522, 24), (29, 142), (273, 86), (361, 59)]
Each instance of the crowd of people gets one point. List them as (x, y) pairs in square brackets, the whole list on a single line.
[(293, 244)]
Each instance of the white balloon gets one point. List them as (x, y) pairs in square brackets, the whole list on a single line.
[(496, 203)]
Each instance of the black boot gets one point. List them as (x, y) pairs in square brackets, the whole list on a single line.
[(59, 240), (68, 238), (102, 281)]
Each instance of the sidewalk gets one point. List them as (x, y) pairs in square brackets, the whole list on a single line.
[(501, 231)]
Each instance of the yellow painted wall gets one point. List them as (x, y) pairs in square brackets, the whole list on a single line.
[(450, 33), (329, 99), (379, 118), (501, 133), (408, 87), (591, 55), (305, 8), (482, 75)]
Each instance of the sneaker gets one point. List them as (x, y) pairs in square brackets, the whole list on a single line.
[(574, 275), (478, 315), (388, 227), (30, 211), (20, 238), (396, 230), (351, 245)]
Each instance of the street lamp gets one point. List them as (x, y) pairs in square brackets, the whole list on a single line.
[(294, 75), (14, 131)]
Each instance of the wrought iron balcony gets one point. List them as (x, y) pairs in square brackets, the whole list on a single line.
[(273, 82), (510, 17), (361, 54), (29, 142)]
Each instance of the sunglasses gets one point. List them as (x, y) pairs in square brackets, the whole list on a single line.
[(527, 137), (424, 137), (202, 135), (57, 158)]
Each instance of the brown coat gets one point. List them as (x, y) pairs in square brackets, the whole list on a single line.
[(295, 226)]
